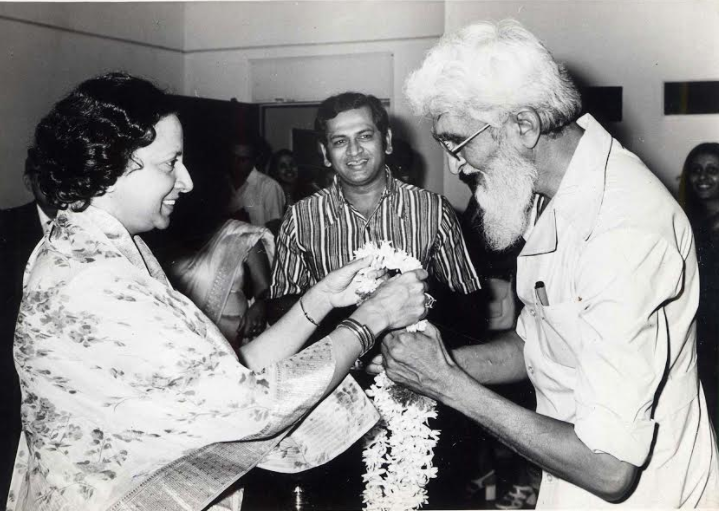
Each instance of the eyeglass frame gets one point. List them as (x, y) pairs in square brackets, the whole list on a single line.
[(455, 150)]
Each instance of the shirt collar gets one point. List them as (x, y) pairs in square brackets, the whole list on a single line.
[(253, 175), (541, 232), (338, 201), (580, 194)]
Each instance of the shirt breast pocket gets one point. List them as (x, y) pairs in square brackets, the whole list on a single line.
[(559, 332)]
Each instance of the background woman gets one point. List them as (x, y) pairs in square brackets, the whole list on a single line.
[(132, 399), (701, 186), (283, 169)]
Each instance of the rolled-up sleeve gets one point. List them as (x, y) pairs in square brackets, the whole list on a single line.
[(624, 280)]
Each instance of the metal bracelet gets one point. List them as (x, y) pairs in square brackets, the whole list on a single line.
[(307, 315), (364, 334)]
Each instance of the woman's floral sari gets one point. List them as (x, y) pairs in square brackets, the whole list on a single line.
[(132, 399)]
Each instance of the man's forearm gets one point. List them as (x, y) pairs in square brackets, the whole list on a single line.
[(420, 362), (499, 361), (549, 443)]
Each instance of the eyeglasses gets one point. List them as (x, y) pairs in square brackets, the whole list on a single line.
[(453, 150)]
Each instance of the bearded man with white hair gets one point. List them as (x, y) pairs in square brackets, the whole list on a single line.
[(608, 279)]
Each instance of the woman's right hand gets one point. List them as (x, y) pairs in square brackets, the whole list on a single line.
[(398, 302)]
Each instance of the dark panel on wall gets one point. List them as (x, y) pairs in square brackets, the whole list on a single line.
[(684, 98), (604, 103)]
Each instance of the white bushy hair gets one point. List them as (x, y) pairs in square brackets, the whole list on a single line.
[(489, 70)]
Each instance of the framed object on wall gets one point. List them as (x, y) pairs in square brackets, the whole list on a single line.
[(686, 98)]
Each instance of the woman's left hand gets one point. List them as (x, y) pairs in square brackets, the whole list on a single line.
[(340, 286)]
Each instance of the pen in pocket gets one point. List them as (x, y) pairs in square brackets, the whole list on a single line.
[(541, 293)]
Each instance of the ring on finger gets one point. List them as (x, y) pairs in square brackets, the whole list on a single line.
[(429, 301)]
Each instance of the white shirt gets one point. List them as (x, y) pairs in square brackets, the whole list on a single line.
[(616, 255), (260, 196)]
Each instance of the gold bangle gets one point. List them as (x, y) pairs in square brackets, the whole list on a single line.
[(307, 315)]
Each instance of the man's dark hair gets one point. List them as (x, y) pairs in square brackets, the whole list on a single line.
[(335, 105), (87, 140)]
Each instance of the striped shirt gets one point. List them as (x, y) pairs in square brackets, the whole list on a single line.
[(321, 233)]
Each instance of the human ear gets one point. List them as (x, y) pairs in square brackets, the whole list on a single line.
[(388, 142), (327, 161), (528, 127)]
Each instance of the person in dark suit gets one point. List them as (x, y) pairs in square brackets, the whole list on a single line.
[(21, 228)]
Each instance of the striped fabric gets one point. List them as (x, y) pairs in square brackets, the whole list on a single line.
[(321, 233)]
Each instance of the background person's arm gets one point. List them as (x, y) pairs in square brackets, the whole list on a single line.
[(258, 266)]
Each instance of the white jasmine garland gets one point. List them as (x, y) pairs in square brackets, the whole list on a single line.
[(399, 449)]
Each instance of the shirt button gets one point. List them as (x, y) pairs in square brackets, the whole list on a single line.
[(531, 311), (550, 478), (530, 369)]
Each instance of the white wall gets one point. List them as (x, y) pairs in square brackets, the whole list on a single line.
[(243, 25), (46, 49), (634, 44), (205, 49), (222, 40)]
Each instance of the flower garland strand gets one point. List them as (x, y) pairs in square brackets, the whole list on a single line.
[(399, 449)]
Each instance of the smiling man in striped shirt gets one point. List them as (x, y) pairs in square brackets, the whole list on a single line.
[(364, 203)]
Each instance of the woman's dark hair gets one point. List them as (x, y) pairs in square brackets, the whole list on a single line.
[(692, 204), (87, 140), (703, 148), (275, 161), (335, 105)]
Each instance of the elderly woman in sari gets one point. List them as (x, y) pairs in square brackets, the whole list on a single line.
[(238, 256), (132, 398)]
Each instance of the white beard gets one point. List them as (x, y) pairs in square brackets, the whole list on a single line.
[(505, 192)]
